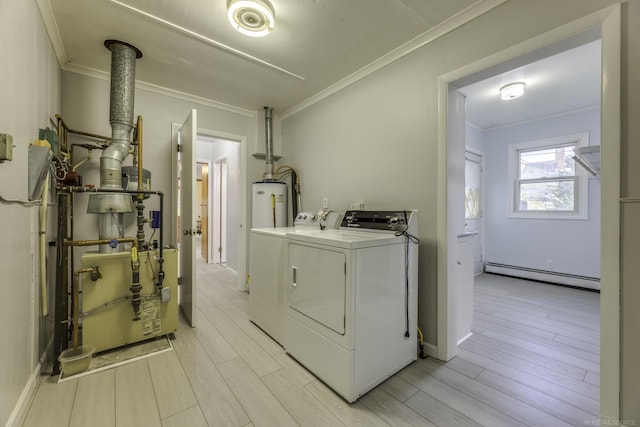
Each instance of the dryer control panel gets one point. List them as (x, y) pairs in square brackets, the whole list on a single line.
[(376, 220)]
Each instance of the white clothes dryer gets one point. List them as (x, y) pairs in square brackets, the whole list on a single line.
[(352, 299), (268, 267)]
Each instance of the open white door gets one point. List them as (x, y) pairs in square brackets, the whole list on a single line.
[(187, 167)]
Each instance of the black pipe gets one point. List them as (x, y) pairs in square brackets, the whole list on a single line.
[(160, 258), (160, 194), (294, 194), (140, 221), (60, 279), (117, 190)]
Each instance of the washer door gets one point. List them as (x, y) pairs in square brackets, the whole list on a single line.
[(317, 285)]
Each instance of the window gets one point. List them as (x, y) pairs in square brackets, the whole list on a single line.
[(472, 177), (544, 181)]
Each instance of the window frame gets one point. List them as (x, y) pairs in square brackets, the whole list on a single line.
[(581, 179)]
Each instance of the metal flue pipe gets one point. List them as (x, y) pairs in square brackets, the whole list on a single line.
[(123, 71), (111, 207), (268, 125)]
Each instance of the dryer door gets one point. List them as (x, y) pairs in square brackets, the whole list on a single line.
[(317, 285)]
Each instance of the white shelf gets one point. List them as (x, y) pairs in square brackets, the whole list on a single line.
[(589, 158)]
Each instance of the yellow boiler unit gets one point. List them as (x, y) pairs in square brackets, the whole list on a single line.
[(107, 318)]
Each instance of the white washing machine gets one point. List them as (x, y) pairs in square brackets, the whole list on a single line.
[(268, 268), (352, 299)]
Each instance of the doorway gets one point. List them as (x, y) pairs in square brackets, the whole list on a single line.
[(220, 224), (608, 22)]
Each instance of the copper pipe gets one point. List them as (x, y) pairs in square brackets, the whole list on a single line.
[(135, 269), (97, 242), (139, 141), (61, 139), (79, 132), (76, 297)]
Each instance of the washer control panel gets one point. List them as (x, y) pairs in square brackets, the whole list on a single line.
[(306, 218), (375, 220)]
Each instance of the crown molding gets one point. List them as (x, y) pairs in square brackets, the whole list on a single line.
[(470, 13), (49, 21), (149, 87)]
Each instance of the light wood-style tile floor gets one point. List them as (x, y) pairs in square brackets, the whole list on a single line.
[(533, 360)]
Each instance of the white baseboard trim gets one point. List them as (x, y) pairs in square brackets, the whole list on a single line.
[(463, 339), (543, 276), (431, 349), (20, 410)]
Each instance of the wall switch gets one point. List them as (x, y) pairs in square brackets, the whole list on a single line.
[(550, 265), (6, 147), (325, 203)]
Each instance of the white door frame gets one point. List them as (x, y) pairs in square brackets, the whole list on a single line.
[(219, 194), (609, 21), (210, 166)]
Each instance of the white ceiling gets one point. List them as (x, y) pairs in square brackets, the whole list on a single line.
[(190, 47), (563, 82)]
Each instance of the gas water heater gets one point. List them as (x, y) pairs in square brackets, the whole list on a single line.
[(269, 204)]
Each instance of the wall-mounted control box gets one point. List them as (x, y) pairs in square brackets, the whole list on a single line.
[(6, 147)]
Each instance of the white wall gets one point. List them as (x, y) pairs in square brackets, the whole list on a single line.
[(573, 245), (86, 107), (376, 140), (390, 115), (30, 87), (474, 139), (213, 149)]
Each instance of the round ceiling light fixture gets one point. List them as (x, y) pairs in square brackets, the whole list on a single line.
[(512, 91), (254, 18)]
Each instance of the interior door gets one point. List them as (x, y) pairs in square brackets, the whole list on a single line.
[(473, 205), (187, 159), (204, 219)]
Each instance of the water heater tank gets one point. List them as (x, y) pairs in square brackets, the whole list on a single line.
[(269, 204)]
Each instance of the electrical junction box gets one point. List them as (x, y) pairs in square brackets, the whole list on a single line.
[(6, 147)]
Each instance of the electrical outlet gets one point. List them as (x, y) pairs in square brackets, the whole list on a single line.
[(550, 265)]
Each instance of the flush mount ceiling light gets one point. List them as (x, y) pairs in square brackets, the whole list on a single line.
[(512, 91), (254, 18)]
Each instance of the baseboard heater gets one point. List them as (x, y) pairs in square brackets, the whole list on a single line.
[(543, 275)]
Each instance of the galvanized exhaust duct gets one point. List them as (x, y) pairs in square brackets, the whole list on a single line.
[(123, 71), (112, 206), (268, 112)]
